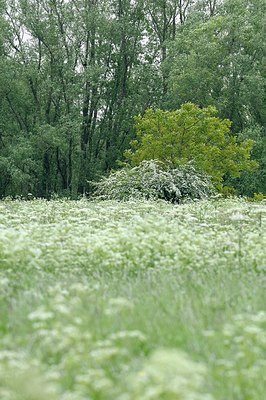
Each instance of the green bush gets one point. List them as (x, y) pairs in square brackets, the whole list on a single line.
[(153, 180), (191, 133)]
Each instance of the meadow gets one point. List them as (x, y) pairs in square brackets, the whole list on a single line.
[(132, 301)]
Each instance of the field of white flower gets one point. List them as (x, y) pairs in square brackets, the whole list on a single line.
[(132, 301)]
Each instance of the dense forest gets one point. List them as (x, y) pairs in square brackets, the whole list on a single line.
[(74, 74)]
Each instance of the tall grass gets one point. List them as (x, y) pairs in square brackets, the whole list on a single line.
[(130, 301)]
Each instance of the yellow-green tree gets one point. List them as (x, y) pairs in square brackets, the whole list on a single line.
[(191, 133)]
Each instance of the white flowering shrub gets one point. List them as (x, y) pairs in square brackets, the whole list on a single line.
[(152, 180)]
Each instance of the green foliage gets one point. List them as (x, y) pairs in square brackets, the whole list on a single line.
[(191, 133), (219, 61), (253, 182), (71, 87), (18, 167), (257, 197), (152, 180)]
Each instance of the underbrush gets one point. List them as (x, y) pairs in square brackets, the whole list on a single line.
[(131, 301)]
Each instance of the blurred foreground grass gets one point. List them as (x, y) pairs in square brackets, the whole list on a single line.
[(132, 301)]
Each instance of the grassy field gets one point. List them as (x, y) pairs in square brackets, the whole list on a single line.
[(132, 301)]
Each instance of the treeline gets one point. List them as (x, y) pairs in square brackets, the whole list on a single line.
[(74, 74)]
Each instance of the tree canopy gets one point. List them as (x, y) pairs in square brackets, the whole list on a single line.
[(74, 74), (191, 134)]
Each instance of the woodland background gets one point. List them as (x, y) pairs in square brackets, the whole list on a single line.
[(74, 74)]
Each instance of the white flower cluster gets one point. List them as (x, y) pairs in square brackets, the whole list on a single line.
[(171, 375), (153, 180), (244, 340)]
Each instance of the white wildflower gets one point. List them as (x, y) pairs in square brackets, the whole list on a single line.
[(40, 315)]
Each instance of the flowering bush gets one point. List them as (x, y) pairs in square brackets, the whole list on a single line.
[(152, 180)]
